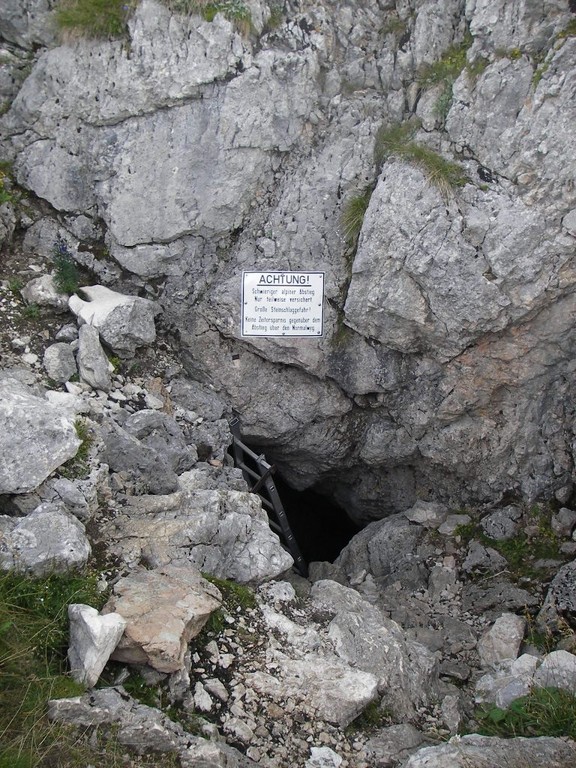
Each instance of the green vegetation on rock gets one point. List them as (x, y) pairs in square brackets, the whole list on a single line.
[(33, 644), (397, 141), (96, 19), (544, 712)]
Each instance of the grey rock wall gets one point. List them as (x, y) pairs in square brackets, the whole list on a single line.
[(445, 370)]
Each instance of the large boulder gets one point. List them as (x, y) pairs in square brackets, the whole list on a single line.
[(48, 540), (123, 322), (35, 437), (221, 532), (164, 609), (406, 671)]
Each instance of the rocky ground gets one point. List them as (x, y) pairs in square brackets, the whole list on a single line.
[(379, 655)]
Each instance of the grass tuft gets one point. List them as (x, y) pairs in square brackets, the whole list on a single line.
[(397, 141), (233, 10), (353, 216), (544, 712), (33, 644), (94, 19), (78, 466)]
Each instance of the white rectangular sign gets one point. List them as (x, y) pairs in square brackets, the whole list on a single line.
[(282, 303)]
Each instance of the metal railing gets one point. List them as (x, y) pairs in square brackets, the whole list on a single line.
[(258, 475)]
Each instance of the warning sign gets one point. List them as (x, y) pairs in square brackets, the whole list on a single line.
[(282, 303)]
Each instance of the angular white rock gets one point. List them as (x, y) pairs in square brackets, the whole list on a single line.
[(124, 322), (92, 640)]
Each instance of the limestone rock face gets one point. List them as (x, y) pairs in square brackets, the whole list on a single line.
[(164, 609), (198, 153), (35, 437)]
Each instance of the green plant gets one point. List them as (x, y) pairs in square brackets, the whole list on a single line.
[(543, 712), (31, 311), (447, 68), (100, 19), (276, 16), (394, 25), (569, 30), (66, 278), (476, 67), (539, 73), (236, 597), (371, 718), (15, 285), (233, 10), (396, 141), (78, 465), (353, 216), (115, 362), (33, 642), (6, 195)]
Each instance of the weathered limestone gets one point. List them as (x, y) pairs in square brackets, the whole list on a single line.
[(123, 322), (482, 751), (164, 609), (222, 532), (59, 362), (93, 365), (48, 540), (365, 639), (503, 639), (35, 437)]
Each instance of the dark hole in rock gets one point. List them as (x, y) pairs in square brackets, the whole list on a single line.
[(321, 527)]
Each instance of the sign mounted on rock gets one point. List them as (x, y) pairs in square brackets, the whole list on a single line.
[(282, 303)]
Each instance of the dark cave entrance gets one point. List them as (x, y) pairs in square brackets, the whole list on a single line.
[(320, 527)]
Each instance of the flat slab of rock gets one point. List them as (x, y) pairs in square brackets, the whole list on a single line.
[(143, 728), (488, 751), (35, 437), (164, 609), (48, 540), (323, 687), (124, 322)]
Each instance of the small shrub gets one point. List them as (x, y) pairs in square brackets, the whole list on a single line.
[(544, 712), (234, 596), (569, 30), (476, 67), (6, 195), (353, 216), (15, 285), (98, 19), (276, 16), (371, 718), (66, 278)]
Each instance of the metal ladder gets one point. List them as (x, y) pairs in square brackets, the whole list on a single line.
[(261, 482)]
